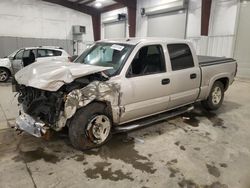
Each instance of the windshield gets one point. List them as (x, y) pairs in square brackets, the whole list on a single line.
[(106, 55), (13, 54)]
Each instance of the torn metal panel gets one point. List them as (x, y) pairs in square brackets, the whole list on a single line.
[(100, 91), (50, 76), (30, 125)]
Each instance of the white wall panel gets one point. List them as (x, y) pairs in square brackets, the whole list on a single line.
[(170, 25), (37, 19), (220, 46), (111, 15), (142, 21), (223, 17), (194, 19), (213, 45), (242, 52), (200, 44), (115, 30)]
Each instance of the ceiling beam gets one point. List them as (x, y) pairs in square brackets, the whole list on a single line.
[(130, 3), (111, 7), (96, 22), (132, 21), (205, 16), (88, 2), (75, 6)]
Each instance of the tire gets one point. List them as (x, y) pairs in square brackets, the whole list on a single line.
[(215, 98), (4, 74), (83, 129)]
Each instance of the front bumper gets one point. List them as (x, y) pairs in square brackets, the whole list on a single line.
[(28, 124)]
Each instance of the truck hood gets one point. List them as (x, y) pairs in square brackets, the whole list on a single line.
[(51, 76)]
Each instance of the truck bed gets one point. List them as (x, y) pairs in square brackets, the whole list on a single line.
[(210, 60)]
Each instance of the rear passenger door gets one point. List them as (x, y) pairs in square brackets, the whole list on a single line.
[(184, 77)]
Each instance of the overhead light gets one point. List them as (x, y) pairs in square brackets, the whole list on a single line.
[(98, 5)]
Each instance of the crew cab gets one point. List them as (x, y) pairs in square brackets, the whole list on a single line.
[(119, 85)]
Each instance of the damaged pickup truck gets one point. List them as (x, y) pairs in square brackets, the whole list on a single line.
[(117, 86)]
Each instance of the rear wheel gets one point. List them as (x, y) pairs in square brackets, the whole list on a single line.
[(215, 98), (4, 75), (90, 127)]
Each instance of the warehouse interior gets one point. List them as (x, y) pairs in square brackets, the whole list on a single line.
[(192, 150)]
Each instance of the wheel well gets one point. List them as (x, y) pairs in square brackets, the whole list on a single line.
[(6, 70), (225, 82), (108, 107)]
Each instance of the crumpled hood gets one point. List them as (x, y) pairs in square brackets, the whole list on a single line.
[(51, 76)]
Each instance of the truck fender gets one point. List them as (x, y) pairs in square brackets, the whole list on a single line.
[(215, 78), (108, 93)]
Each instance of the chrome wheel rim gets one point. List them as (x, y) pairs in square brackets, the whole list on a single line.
[(216, 95), (99, 128), (3, 75)]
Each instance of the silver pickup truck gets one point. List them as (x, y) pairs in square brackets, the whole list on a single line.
[(117, 86)]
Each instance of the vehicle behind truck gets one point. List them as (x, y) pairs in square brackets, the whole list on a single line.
[(14, 62), (117, 86)]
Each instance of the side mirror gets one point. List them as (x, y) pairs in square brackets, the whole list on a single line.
[(11, 58)]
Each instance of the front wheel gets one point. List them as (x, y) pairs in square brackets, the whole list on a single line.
[(215, 98), (4, 75), (90, 127)]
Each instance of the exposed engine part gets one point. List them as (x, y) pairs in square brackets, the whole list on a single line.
[(43, 104)]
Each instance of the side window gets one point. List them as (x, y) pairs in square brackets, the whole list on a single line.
[(148, 60), (49, 53), (19, 54), (41, 53), (57, 53), (26, 53), (35, 52), (29, 54), (180, 56)]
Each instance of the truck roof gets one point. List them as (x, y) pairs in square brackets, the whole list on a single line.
[(135, 41)]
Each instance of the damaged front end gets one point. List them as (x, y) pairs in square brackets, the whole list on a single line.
[(41, 110)]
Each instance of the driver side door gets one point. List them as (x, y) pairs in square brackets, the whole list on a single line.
[(17, 62), (145, 90)]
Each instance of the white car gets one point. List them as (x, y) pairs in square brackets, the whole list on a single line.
[(25, 56)]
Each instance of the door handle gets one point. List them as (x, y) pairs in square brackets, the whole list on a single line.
[(193, 76), (165, 81)]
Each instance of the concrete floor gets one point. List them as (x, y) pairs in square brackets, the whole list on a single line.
[(198, 149)]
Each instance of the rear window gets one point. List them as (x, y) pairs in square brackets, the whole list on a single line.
[(180, 56)]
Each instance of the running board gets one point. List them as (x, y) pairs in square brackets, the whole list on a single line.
[(151, 120)]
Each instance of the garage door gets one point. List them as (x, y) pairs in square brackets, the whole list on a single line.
[(242, 54), (171, 24), (115, 30)]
